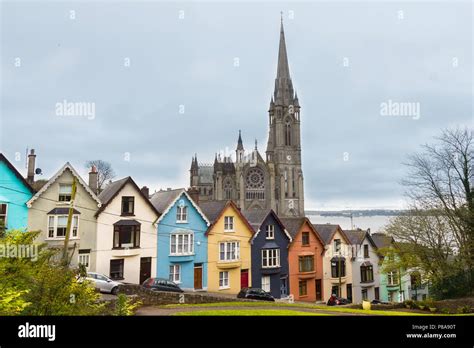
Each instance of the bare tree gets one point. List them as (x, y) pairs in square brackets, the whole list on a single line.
[(104, 170)]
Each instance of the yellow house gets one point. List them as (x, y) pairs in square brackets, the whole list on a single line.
[(228, 251)]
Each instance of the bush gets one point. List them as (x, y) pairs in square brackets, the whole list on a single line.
[(126, 305)]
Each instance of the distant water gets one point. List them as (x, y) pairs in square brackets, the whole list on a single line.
[(375, 223)]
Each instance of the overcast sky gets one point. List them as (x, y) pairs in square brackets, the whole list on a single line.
[(404, 52)]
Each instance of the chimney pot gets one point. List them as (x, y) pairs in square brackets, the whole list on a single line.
[(146, 191), (30, 178), (94, 179)]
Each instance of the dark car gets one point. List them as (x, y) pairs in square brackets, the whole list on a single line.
[(161, 284), (255, 294), (337, 301)]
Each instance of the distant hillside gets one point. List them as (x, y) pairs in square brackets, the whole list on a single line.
[(355, 213)]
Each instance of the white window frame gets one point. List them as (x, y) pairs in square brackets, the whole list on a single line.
[(266, 283), (230, 250), (84, 259), (392, 278), (228, 224), (270, 232), (6, 214), (183, 244), (61, 193), (181, 214), (224, 282), (270, 258), (175, 274), (54, 228)]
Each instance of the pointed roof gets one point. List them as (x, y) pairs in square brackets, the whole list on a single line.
[(256, 218), (55, 177), (240, 145), (327, 232), (293, 226), (16, 173), (283, 86), (283, 70)]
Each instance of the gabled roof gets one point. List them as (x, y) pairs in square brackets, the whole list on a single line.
[(16, 173), (381, 240), (327, 232), (356, 237), (113, 189), (55, 177), (170, 197), (256, 218), (293, 226), (214, 210)]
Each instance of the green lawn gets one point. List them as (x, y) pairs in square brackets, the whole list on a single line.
[(249, 312)]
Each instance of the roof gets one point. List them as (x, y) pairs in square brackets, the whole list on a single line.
[(356, 237), (16, 173), (127, 222), (381, 240), (327, 232), (52, 180), (256, 217), (212, 209), (113, 189), (163, 198), (62, 211), (293, 226)]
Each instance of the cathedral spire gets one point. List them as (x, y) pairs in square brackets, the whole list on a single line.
[(283, 70), (283, 85), (240, 145)]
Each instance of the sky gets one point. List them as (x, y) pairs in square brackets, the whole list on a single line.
[(171, 79)]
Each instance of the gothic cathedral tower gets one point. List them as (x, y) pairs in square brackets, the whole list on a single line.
[(284, 140)]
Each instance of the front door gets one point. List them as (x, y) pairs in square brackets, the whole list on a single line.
[(319, 295), (145, 269), (283, 287), (198, 277), (244, 278), (349, 292)]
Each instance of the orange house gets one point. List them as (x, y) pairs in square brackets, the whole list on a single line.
[(305, 260)]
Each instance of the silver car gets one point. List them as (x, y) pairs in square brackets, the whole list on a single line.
[(103, 283)]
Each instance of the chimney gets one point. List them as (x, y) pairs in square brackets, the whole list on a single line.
[(30, 178), (93, 179), (193, 192), (146, 191)]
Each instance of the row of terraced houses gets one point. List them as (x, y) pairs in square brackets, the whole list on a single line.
[(130, 235)]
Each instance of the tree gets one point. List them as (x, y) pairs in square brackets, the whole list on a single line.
[(104, 170), (439, 227)]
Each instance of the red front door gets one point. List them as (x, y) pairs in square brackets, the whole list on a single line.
[(244, 278)]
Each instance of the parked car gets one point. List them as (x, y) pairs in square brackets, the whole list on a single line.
[(161, 284), (337, 301), (255, 294), (103, 283)]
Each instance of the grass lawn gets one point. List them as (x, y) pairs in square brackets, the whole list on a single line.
[(295, 305), (249, 312)]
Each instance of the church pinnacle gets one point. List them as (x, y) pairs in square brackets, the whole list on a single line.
[(283, 94)]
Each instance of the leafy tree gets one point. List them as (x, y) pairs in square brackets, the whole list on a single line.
[(125, 306), (104, 170)]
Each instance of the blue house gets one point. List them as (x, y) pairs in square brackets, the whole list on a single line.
[(182, 243), (14, 193), (270, 269)]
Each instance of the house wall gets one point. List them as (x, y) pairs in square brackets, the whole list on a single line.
[(15, 194), (216, 234), (328, 281), (296, 250), (359, 259), (277, 275), (167, 226), (105, 229), (84, 203)]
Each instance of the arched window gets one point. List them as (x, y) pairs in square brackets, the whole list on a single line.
[(255, 184), (287, 133), (228, 189)]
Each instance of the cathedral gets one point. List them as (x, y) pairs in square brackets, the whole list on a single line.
[(252, 181)]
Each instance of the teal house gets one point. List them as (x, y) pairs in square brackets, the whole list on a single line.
[(14, 193), (182, 240)]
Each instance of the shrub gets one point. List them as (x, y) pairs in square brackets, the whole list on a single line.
[(125, 305)]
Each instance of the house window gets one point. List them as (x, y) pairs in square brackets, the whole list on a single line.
[(266, 283), (229, 251), (223, 280), (306, 263), (270, 258), (303, 288), (366, 274), (337, 245), (116, 269), (338, 267), (182, 214), (128, 205), (335, 290), (392, 278), (305, 238), (175, 273), (365, 294), (3, 216), (270, 232), (65, 192), (182, 244), (377, 293), (366, 251), (57, 225), (126, 236), (228, 223), (84, 259)]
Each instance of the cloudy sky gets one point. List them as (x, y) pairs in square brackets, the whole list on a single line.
[(165, 84)]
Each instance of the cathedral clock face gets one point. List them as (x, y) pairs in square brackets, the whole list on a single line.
[(255, 179), (288, 158)]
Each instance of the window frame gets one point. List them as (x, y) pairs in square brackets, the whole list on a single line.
[(224, 280), (270, 231), (181, 214), (335, 269), (121, 262), (175, 273), (305, 234), (75, 222), (302, 263), (271, 258), (229, 223), (266, 283), (366, 251), (86, 256), (135, 237), (63, 194), (305, 287), (127, 213), (174, 241), (366, 274), (4, 227), (234, 250)]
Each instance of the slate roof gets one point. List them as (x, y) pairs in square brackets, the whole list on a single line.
[(326, 231), (381, 240), (212, 209), (256, 217), (293, 225), (62, 211), (163, 198), (355, 236)]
